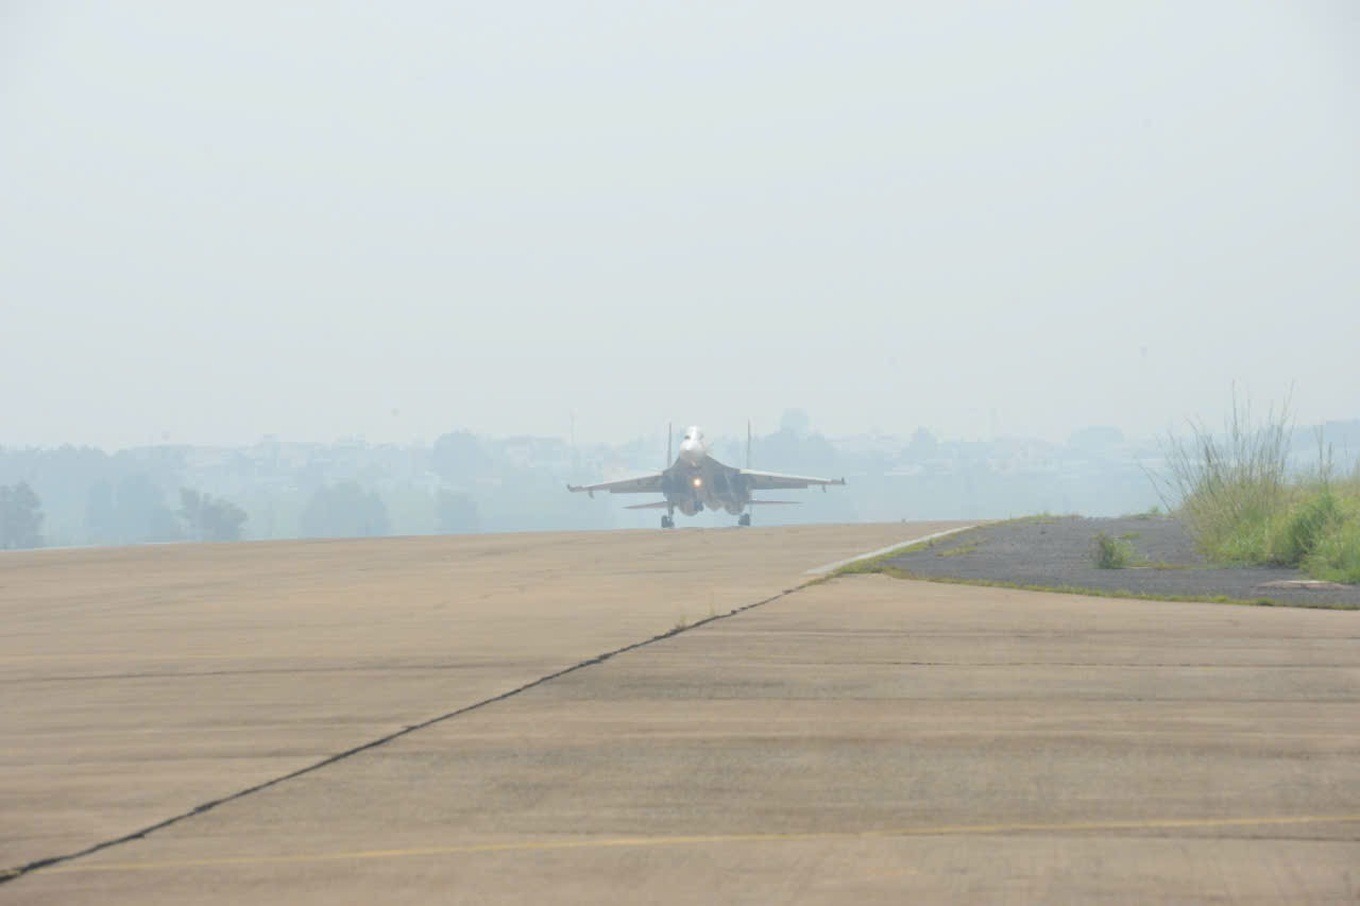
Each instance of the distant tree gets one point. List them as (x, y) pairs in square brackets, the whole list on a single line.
[(459, 457), (795, 421), (456, 513), (207, 518), (132, 512), (344, 510), (1095, 440), (142, 504), (21, 517), (793, 448), (101, 514), (191, 511), (923, 445)]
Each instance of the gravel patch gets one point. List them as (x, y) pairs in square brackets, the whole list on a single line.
[(1056, 552)]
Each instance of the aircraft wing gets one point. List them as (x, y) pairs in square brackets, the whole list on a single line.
[(770, 481), (643, 484)]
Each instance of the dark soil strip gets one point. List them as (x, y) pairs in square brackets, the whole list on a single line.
[(1057, 553)]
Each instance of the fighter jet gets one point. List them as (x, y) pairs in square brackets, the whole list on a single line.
[(696, 480)]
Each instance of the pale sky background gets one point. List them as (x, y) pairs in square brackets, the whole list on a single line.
[(326, 219)]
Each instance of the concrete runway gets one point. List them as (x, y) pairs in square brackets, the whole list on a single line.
[(863, 740)]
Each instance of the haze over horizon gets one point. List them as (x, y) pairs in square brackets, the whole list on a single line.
[(333, 219)]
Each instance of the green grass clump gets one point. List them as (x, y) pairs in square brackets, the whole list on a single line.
[(1335, 556), (1310, 517), (1242, 506), (1109, 552)]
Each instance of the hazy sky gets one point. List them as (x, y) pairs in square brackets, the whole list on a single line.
[(325, 219)]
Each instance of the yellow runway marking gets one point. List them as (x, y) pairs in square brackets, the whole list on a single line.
[(948, 830)]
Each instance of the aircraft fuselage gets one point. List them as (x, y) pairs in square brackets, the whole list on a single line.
[(696, 481), (692, 486)]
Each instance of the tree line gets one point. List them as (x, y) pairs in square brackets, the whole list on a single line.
[(462, 482), (133, 511), (21, 517)]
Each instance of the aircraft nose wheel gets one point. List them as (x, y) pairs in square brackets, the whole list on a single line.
[(667, 522), (745, 519)]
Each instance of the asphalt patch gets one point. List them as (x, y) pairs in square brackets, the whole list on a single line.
[(1057, 553)]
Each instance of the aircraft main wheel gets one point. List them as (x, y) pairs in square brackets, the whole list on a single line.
[(667, 522), (745, 519)]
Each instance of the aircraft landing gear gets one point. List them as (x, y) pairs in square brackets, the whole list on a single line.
[(744, 519), (668, 522)]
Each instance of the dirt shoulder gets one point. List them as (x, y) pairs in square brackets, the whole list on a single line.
[(1056, 552)]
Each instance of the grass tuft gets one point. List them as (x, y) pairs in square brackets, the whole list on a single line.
[(1336, 555), (1109, 552), (1294, 535), (1242, 505)]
